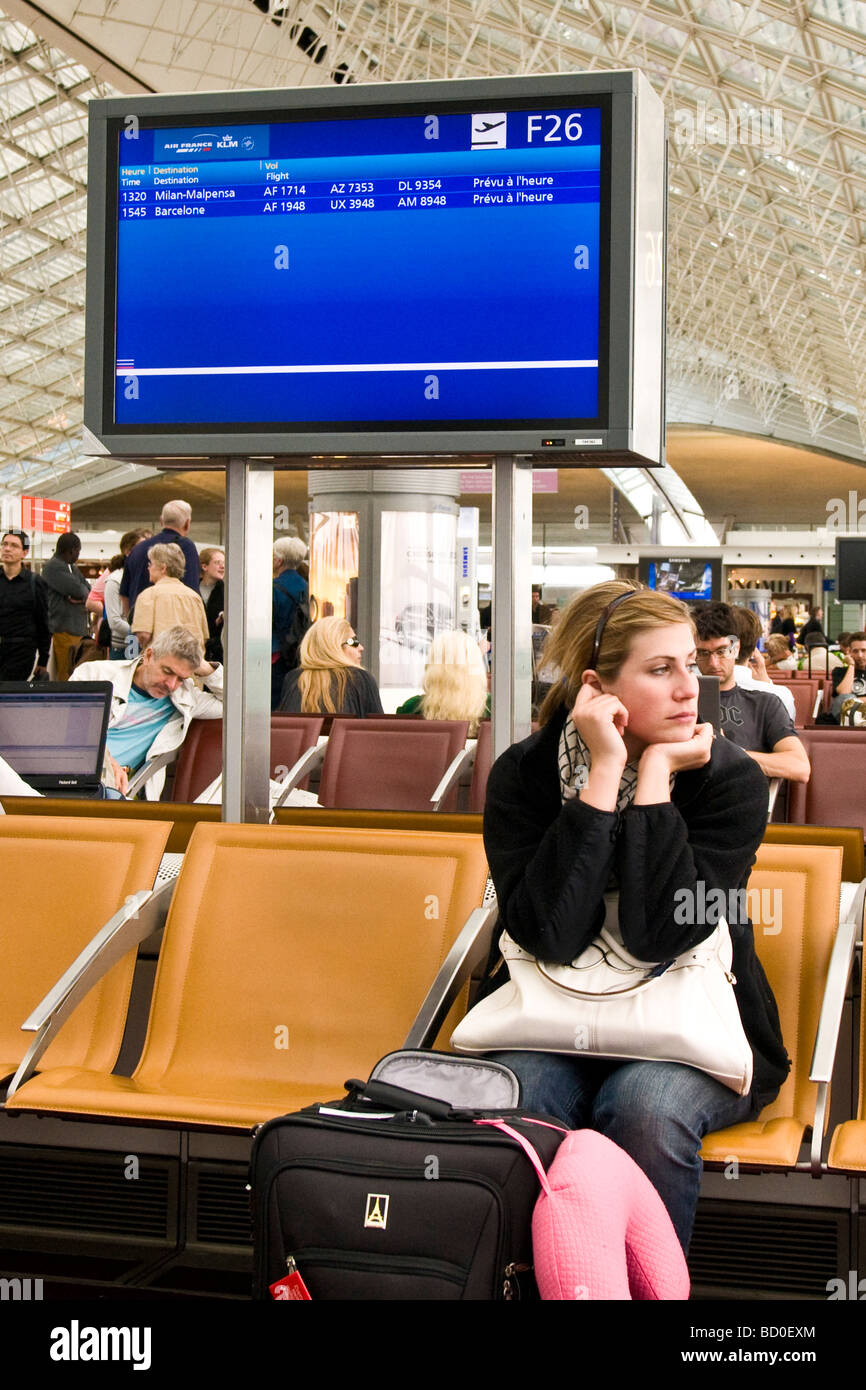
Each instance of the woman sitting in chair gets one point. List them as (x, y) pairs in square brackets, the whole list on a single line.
[(329, 679), (455, 682), (622, 788)]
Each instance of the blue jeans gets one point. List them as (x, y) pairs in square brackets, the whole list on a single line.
[(657, 1111)]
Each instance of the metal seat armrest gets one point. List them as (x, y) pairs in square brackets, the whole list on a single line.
[(775, 784), (152, 766), (460, 763), (141, 914), (307, 763), (470, 949), (830, 1020)]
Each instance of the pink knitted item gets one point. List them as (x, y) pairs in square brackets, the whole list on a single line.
[(603, 1231)]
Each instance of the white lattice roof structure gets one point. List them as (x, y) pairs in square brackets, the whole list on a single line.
[(765, 102)]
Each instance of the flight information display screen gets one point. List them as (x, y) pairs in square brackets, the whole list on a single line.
[(435, 269)]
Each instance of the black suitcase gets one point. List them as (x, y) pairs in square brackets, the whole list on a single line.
[(390, 1194)]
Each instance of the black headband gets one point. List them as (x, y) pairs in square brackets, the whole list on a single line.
[(600, 626)]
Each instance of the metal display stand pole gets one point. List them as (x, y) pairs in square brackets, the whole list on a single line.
[(247, 698), (511, 685)]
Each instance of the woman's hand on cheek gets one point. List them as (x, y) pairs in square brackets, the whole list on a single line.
[(679, 757), (601, 721)]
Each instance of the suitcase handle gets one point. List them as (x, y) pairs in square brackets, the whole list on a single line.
[(400, 1099)]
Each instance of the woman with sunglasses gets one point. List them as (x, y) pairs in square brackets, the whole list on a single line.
[(622, 788), (330, 679)]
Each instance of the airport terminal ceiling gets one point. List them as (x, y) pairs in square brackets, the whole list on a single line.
[(741, 481), (767, 191)]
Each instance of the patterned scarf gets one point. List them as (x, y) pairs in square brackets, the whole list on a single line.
[(575, 761)]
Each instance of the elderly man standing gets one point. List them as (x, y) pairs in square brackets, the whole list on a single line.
[(175, 518), (154, 701)]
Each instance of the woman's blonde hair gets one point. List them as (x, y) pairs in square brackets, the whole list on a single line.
[(569, 646), (455, 681), (324, 668)]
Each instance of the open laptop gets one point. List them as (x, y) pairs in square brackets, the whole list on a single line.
[(53, 734)]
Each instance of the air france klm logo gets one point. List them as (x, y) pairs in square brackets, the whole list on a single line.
[(377, 1209), (77, 1343)]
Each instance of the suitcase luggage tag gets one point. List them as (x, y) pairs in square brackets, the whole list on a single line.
[(291, 1288)]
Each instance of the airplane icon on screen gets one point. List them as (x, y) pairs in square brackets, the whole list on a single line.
[(489, 131)]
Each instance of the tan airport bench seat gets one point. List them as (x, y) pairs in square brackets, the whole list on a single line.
[(64, 878), (799, 961), (293, 957)]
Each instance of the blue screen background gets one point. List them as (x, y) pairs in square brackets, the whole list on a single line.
[(425, 286)]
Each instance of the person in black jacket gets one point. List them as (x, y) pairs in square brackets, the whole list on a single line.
[(24, 634), (620, 787), (213, 596), (329, 679)]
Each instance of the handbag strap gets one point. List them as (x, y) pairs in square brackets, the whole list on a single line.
[(526, 1147)]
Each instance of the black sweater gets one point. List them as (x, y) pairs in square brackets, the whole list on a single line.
[(551, 863), (361, 697)]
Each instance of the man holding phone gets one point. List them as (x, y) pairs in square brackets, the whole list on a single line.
[(753, 719)]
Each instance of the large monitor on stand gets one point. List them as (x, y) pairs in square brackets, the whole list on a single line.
[(458, 268)]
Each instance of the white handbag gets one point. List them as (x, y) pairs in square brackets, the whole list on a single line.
[(608, 1004)]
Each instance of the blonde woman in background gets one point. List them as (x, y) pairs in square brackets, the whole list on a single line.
[(330, 679), (455, 682)]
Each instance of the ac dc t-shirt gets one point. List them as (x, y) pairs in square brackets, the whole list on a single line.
[(754, 720), (130, 738)]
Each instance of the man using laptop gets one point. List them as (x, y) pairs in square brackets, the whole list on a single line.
[(154, 701)]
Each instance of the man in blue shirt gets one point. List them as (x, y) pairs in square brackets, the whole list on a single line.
[(175, 518), (153, 704)]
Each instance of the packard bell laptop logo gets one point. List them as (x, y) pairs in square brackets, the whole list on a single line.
[(377, 1209)]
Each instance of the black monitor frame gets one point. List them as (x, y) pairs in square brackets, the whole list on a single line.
[(631, 291), (850, 561)]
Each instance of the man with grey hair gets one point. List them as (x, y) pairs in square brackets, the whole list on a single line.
[(290, 613), (175, 518), (154, 701)]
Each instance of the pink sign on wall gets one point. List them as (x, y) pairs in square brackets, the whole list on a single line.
[(481, 481)]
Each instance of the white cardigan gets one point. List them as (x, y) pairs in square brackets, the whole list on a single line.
[(190, 703)]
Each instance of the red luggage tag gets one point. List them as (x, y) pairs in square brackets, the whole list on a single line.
[(291, 1287)]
